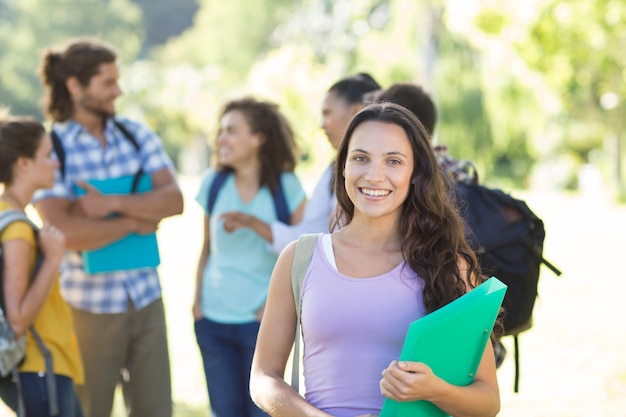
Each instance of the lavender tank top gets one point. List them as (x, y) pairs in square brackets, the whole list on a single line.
[(352, 329)]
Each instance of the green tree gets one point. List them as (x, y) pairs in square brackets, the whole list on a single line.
[(228, 36), (464, 125), (575, 46), (32, 25)]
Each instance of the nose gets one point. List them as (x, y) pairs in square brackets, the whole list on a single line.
[(375, 172), (118, 90)]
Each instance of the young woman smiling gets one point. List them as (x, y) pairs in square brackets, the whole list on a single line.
[(400, 255)]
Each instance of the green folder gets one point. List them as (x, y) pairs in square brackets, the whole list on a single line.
[(451, 341), (133, 251)]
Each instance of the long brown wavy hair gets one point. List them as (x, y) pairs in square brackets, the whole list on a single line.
[(278, 152), (433, 239)]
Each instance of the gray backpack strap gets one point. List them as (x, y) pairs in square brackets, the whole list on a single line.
[(53, 398), (301, 258), (9, 216), (6, 218)]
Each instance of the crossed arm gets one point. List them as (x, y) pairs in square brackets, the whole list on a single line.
[(86, 225)]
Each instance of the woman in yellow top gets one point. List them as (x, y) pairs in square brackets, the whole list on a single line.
[(26, 165)]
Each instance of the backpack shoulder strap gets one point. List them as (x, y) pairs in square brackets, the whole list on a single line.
[(131, 138), (215, 188), (6, 218), (301, 259), (9, 216), (57, 145), (280, 203)]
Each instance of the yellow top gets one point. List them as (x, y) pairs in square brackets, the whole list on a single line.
[(54, 323)]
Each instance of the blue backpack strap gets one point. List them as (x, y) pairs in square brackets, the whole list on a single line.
[(280, 200), (280, 203), (216, 186)]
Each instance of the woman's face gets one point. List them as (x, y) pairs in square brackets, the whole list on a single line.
[(378, 168), (336, 114), (236, 144), (43, 165)]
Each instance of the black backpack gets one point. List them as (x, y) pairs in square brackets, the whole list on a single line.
[(508, 239)]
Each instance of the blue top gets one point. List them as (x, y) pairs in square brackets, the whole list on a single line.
[(85, 159), (237, 273)]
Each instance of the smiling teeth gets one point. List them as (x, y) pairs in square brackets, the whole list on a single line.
[(375, 193)]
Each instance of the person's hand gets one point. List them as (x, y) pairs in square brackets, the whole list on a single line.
[(144, 227), (234, 220), (51, 242), (93, 203), (408, 381), (196, 311), (259, 313)]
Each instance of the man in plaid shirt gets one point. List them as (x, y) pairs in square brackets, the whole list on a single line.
[(119, 316)]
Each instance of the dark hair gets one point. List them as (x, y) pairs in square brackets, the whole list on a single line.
[(278, 150), (433, 239), (353, 88), (20, 136), (81, 58), (414, 98)]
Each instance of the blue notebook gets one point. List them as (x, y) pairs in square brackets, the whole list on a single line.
[(130, 252), (451, 341)]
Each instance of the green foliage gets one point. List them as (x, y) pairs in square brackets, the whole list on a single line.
[(574, 45), (227, 35), (464, 126), (32, 25), (491, 21)]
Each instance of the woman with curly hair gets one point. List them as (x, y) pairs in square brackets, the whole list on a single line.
[(255, 157)]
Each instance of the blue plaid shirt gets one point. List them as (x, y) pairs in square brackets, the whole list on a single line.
[(86, 159)]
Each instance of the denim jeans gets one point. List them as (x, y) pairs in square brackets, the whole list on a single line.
[(35, 394), (227, 351)]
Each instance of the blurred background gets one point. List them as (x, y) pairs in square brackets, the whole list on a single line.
[(531, 91)]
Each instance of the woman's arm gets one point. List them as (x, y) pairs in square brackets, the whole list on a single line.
[(202, 261), (276, 336), (164, 200), (235, 220), (84, 233), (411, 381), (23, 301)]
